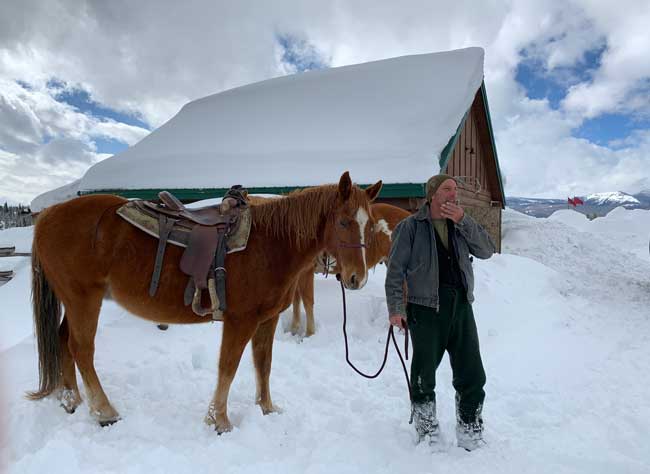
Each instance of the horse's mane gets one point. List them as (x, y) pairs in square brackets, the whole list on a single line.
[(299, 215)]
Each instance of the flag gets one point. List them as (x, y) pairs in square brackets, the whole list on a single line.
[(571, 202), (578, 201)]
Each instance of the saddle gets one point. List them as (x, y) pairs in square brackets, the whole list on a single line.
[(207, 234)]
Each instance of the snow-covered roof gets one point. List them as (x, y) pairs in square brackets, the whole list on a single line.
[(386, 119), (55, 196)]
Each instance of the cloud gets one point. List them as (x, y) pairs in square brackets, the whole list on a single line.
[(622, 78), (149, 58), (45, 143)]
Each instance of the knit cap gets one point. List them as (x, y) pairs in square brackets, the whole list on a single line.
[(434, 183)]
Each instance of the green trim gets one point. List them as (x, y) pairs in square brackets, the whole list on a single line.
[(494, 147), (447, 151), (394, 190)]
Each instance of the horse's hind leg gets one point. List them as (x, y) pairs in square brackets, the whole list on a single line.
[(69, 394), (262, 355), (236, 335), (82, 315)]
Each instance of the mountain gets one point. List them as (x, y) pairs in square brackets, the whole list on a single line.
[(643, 197), (598, 203), (617, 198)]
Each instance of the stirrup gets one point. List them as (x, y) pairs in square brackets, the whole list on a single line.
[(217, 314)]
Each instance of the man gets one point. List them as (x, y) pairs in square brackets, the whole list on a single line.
[(431, 252)]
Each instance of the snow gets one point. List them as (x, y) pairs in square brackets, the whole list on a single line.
[(616, 197), (308, 128), (563, 319), (55, 196)]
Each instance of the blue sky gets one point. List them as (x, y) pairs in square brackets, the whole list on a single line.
[(605, 130), (83, 103)]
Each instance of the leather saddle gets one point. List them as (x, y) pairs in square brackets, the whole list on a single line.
[(207, 234)]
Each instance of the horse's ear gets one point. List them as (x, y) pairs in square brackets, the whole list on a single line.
[(345, 186), (373, 191)]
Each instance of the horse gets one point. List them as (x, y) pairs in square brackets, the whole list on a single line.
[(82, 249), (386, 217)]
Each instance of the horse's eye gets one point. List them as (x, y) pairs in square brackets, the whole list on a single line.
[(344, 222)]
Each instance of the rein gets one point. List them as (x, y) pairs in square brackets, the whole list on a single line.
[(390, 336)]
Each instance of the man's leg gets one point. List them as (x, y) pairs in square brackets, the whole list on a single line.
[(429, 331), (469, 374)]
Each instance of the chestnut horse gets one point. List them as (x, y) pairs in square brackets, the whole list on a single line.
[(386, 217), (82, 249)]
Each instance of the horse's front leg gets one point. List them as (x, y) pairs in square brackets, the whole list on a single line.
[(236, 335), (295, 321), (306, 288), (262, 356)]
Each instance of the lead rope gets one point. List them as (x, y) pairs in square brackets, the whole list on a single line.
[(390, 336)]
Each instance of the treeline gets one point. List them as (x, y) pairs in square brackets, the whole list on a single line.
[(15, 216)]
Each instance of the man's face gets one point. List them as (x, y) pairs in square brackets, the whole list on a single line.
[(447, 192)]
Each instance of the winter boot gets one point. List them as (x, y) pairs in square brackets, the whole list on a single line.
[(426, 423), (469, 432)]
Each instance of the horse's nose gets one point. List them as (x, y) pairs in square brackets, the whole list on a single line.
[(354, 282)]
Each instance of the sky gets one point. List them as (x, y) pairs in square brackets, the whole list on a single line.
[(568, 82)]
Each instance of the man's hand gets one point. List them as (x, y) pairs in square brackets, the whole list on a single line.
[(398, 320), (450, 210)]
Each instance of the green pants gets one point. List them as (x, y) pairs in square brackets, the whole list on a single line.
[(451, 329)]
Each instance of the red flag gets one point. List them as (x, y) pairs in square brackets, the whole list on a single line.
[(571, 202), (577, 201)]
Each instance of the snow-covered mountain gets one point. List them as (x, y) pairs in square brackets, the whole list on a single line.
[(643, 196), (617, 198), (597, 203)]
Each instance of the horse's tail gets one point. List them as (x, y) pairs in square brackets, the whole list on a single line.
[(47, 316)]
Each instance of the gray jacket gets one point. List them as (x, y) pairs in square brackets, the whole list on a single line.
[(413, 258)]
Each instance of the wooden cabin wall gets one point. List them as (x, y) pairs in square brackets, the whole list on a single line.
[(472, 161)]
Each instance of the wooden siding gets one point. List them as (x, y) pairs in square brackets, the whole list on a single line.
[(473, 160), (469, 161)]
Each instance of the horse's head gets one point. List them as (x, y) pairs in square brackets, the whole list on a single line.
[(348, 231)]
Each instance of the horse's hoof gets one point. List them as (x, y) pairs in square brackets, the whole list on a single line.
[(105, 423), (163, 327), (220, 427), (267, 410), (69, 400)]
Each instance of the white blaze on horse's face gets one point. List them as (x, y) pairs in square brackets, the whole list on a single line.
[(353, 228), (352, 235), (362, 221)]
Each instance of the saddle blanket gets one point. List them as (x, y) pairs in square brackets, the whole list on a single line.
[(137, 216)]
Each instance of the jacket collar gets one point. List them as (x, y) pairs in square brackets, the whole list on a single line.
[(423, 213)]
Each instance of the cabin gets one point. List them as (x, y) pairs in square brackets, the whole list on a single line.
[(401, 120), (471, 157)]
